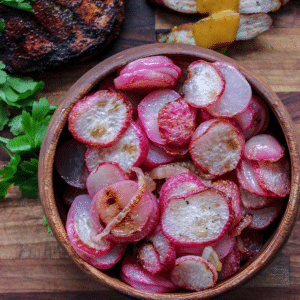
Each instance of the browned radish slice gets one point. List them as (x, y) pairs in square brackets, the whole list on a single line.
[(196, 220), (205, 84), (167, 171), (176, 123), (252, 241), (105, 174), (79, 229), (149, 108), (150, 183), (69, 163), (231, 190), (179, 185), (252, 201), (133, 274), (262, 218), (211, 256), (218, 150), (263, 147), (231, 264), (71, 192), (244, 223), (274, 177), (100, 119), (194, 273), (260, 119), (246, 176), (156, 253), (237, 93), (130, 151), (245, 118)]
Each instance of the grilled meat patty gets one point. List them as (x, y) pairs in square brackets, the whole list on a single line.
[(58, 32)]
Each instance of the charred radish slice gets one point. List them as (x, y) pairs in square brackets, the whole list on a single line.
[(194, 273), (69, 163), (129, 151), (149, 108), (274, 177), (79, 229), (100, 119), (176, 123), (218, 149), (196, 220), (263, 147), (236, 96), (133, 274), (205, 84), (105, 174), (148, 74)]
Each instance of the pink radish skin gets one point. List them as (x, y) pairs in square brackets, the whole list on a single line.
[(236, 96), (105, 174), (100, 119), (79, 229), (218, 149), (275, 177), (245, 119), (197, 220), (260, 119), (205, 84), (194, 273), (130, 151), (149, 108), (69, 163), (133, 274), (263, 147)]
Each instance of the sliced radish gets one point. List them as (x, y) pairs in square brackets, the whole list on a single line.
[(105, 174), (100, 119), (203, 115), (194, 273), (260, 119), (252, 201), (274, 177), (150, 183), (79, 229), (224, 245), (176, 123), (245, 118), (133, 274), (219, 149), (237, 93), (231, 190), (149, 108), (130, 151), (263, 147), (69, 163), (262, 218), (205, 84), (196, 220), (167, 171), (210, 255), (244, 223)]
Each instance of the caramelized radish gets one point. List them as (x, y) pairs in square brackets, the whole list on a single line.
[(100, 119), (205, 84), (211, 256)]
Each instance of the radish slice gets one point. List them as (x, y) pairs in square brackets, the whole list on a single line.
[(245, 119), (224, 246), (194, 273), (79, 229), (205, 84), (237, 94), (260, 117), (149, 108), (210, 255), (167, 171), (105, 174), (100, 119), (262, 218), (196, 220), (274, 177), (176, 123), (69, 163), (219, 149), (128, 152), (263, 147), (244, 223)]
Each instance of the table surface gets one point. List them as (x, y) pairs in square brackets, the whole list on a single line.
[(34, 266)]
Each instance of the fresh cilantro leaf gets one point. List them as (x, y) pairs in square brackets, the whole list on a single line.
[(19, 4), (45, 223), (2, 26), (15, 125), (4, 116)]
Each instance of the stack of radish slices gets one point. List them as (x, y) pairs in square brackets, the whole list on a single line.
[(175, 180)]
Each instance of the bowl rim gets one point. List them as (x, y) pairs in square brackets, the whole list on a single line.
[(90, 80)]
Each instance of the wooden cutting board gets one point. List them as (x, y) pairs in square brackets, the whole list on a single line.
[(34, 266)]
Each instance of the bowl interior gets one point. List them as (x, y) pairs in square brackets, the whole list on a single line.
[(51, 186)]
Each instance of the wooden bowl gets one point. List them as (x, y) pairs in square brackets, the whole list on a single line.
[(51, 188)]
